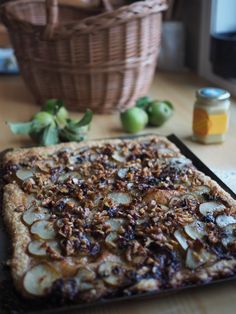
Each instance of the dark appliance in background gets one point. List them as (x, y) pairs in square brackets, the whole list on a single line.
[(223, 54)]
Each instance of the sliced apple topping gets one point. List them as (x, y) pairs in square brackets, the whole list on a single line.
[(180, 237), (120, 198), (145, 285), (209, 208), (130, 186), (75, 176), (118, 157), (195, 259), (84, 278), (122, 173), (110, 240), (225, 220), (195, 230), (112, 273), (39, 279), (85, 274), (24, 174), (180, 162), (115, 223), (74, 159), (229, 235), (228, 240), (35, 213), (40, 248), (43, 229), (201, 189), (31, 201)]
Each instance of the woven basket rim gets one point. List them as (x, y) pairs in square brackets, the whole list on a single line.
[(94, 23)]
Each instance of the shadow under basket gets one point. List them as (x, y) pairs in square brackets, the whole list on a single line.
[(101, 59)]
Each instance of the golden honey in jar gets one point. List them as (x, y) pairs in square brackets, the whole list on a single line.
[(211, 115)]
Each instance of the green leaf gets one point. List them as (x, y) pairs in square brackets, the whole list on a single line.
[(49, 136), (143, 102), (71, 123), (71, 127), (42, 119), (76, 130), (86, 119), (53, 106), (62, 116), (36, 135), (21, 127), (67, 135), (72, 133), (51, 125)]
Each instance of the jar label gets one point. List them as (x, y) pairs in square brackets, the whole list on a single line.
[(205, 124)]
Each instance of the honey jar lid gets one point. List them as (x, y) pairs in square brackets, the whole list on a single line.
[(212, 93)]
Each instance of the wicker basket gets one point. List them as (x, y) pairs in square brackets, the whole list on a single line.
[(103, 61)]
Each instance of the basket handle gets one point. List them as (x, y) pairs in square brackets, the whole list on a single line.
[(107, 5), (52, 15), (51, 18)]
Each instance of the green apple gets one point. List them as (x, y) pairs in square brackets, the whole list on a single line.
[(43, 118), (61, 116), (159, 112), (134, 119)]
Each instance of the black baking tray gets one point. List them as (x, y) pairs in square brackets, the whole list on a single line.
[(11, 301)]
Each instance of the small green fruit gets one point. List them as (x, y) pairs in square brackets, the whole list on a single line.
[(43, 119), (62, 116), (52, 106), (159, 112), (134, 119)]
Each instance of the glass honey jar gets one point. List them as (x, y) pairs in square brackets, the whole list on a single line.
[(211, 115)]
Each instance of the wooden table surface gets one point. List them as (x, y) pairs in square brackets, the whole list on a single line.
[(16, 104)]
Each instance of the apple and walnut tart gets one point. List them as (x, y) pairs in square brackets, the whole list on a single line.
[(99, 218)]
